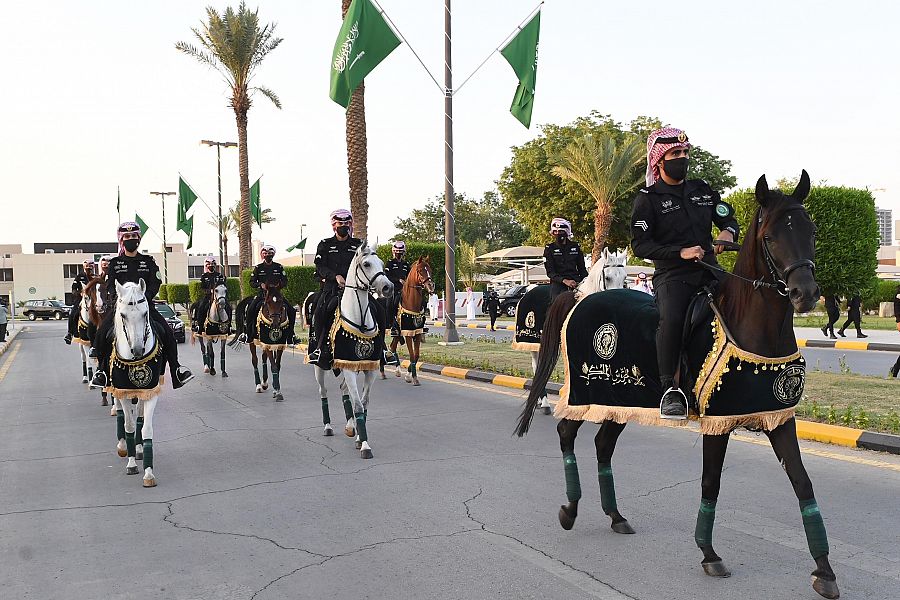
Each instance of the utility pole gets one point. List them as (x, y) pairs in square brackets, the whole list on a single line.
[(450, 334), (303, 249), (219, 146), (162, 197)]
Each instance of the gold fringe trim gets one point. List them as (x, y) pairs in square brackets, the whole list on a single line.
[(404, 311), (115, 360), (597, 413), (127, 394), (213, 338), (81, 341), (356, 365), (411, 332), (526, 346), (767, 421), (341, 324), (269, 347)]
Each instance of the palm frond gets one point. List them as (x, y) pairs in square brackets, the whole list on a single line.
[(270, 95)]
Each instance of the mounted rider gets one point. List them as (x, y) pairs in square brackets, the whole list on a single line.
[(130, 266), (209, 281), (333, 258), (265, 271), (671, 224), (397, 270), (81, 280), (563, 259)]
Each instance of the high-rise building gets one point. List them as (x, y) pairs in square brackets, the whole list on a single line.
[(885, 226)]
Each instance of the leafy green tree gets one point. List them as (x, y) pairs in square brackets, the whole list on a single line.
[(234, 44)]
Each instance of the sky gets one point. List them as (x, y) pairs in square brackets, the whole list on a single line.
[(97, 98)]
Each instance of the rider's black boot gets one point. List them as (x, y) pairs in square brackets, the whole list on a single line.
[(181, 376), (313, 358), (673, 405), (99, 380), (68, 338)]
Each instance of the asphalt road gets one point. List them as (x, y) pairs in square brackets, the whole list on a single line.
[(253, 502), (862, 362)]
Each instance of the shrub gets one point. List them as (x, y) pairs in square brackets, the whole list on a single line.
[(416, 249), (178, 293), (880, 291), (162, 294), (301, 281)]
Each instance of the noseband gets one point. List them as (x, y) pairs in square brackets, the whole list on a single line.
[(780, 277)]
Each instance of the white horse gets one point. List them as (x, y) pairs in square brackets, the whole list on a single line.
[(608, 273), (138, 360), (214, 325), (356, 320)]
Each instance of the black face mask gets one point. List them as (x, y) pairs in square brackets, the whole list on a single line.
[(131, 245), (676, 168), (268, 258), (343, 231), (562, 238)]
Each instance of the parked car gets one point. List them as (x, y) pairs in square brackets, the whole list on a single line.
[(510, 298), (173, 318), (45, 309)]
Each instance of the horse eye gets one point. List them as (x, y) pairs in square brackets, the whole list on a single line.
[(366, 264)]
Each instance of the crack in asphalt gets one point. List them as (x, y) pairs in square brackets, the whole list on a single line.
[(324, 445)]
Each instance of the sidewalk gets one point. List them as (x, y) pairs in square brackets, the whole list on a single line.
[(807, 337), (10, 336)]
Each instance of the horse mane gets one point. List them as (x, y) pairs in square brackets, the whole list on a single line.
[(409, 284), (734, 295), (90, 290)]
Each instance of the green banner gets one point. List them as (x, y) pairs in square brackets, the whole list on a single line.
[(298, 246), (365, 39), (522, 55), (141, 225), (186, 196), (255, 207), (187, 226), (119, 202)]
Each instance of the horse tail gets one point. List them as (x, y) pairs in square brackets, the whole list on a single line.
[(240, 314), (551, 337)]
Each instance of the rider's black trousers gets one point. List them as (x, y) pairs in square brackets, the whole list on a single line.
[(104, 345), (556, 289)]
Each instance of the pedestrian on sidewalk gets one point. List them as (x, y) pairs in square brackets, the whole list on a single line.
[(854, 316), (470, 304), (4, 319), (896, 366), (833, 310), (492, 304)]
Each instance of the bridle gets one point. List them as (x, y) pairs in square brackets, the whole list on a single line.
[(367, 288), (421, 284), (142, 300)]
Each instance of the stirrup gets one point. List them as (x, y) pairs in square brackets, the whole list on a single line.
[(99, 381), (678, 417), (184, 375)]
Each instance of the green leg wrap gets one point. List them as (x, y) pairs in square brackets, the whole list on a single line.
[(138, 425), (573, 483), (814, 527), (265, 370), (148, 453), (120, 425), (326, 414), (84, 368), (348, 407), (256, 376), (607, 488), (90, 372), (705, 519), (129, 443), (361, 427), (276, 380), (412, 369)]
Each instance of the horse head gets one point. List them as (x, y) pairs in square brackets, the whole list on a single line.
[(274, 300), (132, 318), (220, 302), (367, 272), (608, 273), (785, 239), (423, 278)]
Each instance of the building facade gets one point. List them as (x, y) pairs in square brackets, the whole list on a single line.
[(885, 226)]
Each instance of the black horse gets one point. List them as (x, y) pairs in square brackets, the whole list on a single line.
[(773, 276)]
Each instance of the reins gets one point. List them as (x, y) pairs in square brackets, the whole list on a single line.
[(367, 289)]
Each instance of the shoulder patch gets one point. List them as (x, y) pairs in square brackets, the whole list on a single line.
[(722, 209)]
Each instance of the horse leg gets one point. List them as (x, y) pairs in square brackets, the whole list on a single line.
[(568, 430), (416, 344), (544, 403), (255, 361), (120, 428), (147, 407), (203, 354), (211, 357), (411, 373), (323, 394), (90, 371), (359, 414), (131, 467), (605, 442), (265, 374), (138, 432), (84, 371), (784, 442), (714, 448), (222, 359), (276, 376)]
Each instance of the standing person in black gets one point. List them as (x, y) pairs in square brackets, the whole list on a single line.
[(833, 310), (896, 368), (261, 273), (854, 316), (397, 270), (210, 279), (563, 259), (493, 306), (130, 266), (333, 258), (81, 280), (671, 224)]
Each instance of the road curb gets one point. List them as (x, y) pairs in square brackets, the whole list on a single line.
[(473, 326), (9, 340)]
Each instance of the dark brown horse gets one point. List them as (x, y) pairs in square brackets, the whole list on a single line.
[(411, 313), (774, 275)]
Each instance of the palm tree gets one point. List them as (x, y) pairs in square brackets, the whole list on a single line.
[(605, 170), (230, 222), (466, 266), (234, 44), (357, 154)]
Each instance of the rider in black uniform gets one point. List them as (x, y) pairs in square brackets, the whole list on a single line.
[(671, 223), (563, 259), (261, 273), (397, 270), (81, 280), (130, 267), (209, 281), (333, 258)]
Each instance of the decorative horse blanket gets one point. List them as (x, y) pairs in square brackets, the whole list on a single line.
[(82, 336), (530, 315), (140, 378), (211, 330), (411, 323), (273, 336), (609, 345), (352, 350)]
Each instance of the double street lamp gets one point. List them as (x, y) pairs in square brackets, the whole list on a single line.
[(162, 197), (219, 146)]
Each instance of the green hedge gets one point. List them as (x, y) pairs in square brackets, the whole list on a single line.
[(880, 291), (162, 295), (301, 281), (232, 283), (178, 293), (416, 249)]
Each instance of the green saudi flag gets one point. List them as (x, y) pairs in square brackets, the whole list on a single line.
[(255, 207), (141, 225), (522, 55), (185, 224), (186, 196), (298, 246), (365, 39)]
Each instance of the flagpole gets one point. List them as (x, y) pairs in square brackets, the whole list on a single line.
[(450, 334), (162, 197)]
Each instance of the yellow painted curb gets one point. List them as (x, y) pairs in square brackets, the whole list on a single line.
[(830, 434), (851, 345), (510, 381), (801, 343), (472, 325), (510, 327), (454, 372), (438, 323), (405, 364)]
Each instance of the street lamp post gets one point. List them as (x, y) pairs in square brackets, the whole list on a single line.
[(219, 146), (303, 249), (162, 197)]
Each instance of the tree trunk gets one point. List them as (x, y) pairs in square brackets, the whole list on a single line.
[(602, 221), (225, 253), (357, 155), (245, 228)]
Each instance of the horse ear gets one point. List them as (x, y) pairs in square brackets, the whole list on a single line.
[(142, 284), (606, 255), (762, 190), (802, 189), (120, 289)]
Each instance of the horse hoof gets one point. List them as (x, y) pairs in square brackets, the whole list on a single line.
[(415, 381), (150, 482), (397, 373), (407, 379), (329, 431), (212, 371), (122, 452), (265, 386), (279, 397), (103, 402), (84, 379), (546, 410), (565, 519), (349, 431), (383, 376), (112, 411), (358, 445), (206, 369), (825, 588), (138, 456), (622, 527), (259, 389), (131, 470), (717, 568), (367, 453), (224, 374)]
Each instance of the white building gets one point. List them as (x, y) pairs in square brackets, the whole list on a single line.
[(883, 215)]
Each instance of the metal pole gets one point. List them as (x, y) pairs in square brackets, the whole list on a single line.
[(303, 249), (162, 197), (450, 334), (221, 236)]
